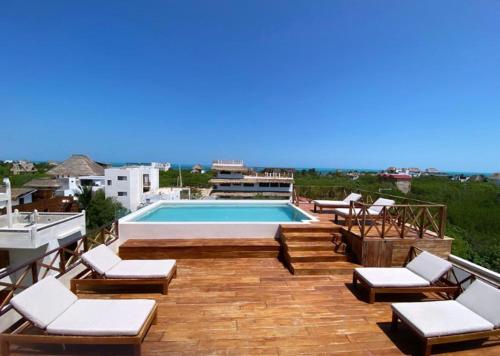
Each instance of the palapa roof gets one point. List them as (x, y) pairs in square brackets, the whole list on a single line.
[(197, 167), (43, 183), (17, 193), (76, 166)]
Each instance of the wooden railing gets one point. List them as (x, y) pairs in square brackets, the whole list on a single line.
[(397, 220), (61, 260), (418, 217)]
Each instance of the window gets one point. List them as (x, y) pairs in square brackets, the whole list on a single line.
[(225, 172), (225, 184), (109, 181), (285, 185), (122, 194), (122, 177), (248, 184), (236, 184), (263, 185), (274, 185)]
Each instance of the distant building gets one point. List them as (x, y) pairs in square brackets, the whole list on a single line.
[(234, 180), (23, 167), (197, 168), (402, 181), (131, 185), (162, 167), (495, 177), (434, 172), (414, 172)]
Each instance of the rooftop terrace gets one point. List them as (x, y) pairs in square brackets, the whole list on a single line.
[(255, 306)]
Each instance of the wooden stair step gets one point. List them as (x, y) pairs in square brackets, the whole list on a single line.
[(328, 227), (315, 256), (309, 246), (308, 236), (311, 268)]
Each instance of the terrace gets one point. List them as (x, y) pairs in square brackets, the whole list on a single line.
[(240, 297)]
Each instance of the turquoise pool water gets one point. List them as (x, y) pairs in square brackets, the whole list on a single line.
[(224, 213)]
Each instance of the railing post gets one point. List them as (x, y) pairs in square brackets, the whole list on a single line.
[(442, 222), (422, 223), (363, 223), (349, 218), (62, 260), (403, 223), (34, 272), (384, 216)]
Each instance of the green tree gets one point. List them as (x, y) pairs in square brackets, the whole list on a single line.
[(102, 210)]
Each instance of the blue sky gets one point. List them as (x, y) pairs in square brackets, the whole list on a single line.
[(348, 84)]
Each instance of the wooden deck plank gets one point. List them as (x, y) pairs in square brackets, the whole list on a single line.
[(255, 306)]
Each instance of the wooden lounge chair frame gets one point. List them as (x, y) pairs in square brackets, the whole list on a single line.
[(443, 285), (89, 279), (428, 342), (17, 337)]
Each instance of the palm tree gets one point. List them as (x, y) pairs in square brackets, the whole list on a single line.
[(85, 198)]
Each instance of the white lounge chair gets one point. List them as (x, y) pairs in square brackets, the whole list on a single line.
[(475, 314), (64, 319), (372, 212), (336, 203), (106, 268), (423, 274)]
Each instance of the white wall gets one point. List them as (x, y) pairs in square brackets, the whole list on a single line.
[(132, 186)]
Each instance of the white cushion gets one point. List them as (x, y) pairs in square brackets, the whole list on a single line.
[(355, 211), (440, 318), (379, 204), (352, 197), (484, 300), (331, 202), (391, 277), (44, 301), (103, 317), (141, 269), (101, 259), (429, 266)]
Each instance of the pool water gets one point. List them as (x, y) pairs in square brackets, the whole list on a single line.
[(224, 213)]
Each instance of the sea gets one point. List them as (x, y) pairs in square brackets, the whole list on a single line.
[(323, 170)]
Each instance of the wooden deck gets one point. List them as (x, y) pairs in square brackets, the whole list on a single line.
[(255, 306)]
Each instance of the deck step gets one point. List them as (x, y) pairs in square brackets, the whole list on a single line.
[(314, 268), (314, 256), (309, 246), (309, 236), (315, 227)]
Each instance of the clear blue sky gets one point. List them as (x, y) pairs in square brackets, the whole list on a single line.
[(344, 84)]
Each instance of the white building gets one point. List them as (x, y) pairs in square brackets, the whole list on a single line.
[(131, 185), (234, 179)]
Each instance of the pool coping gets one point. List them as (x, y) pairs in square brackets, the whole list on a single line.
[(130, 218)]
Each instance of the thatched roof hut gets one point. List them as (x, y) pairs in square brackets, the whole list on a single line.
[(77, 166)]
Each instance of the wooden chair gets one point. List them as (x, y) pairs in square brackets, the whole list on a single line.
[(474, 315), (59, 317), (425, 273), (372, 213), (105, 268), (333, 204)]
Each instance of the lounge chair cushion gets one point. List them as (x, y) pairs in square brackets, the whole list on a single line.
[(483, 300), (141, 269), (391, 277), (429, 266), (440, 318), (379, 204), (355, 211), (101, 259), (102, 317), (44, 301), (330, 202), (352, 197)]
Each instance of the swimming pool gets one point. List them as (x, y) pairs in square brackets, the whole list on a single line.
[(224, 213), (211, 219)]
